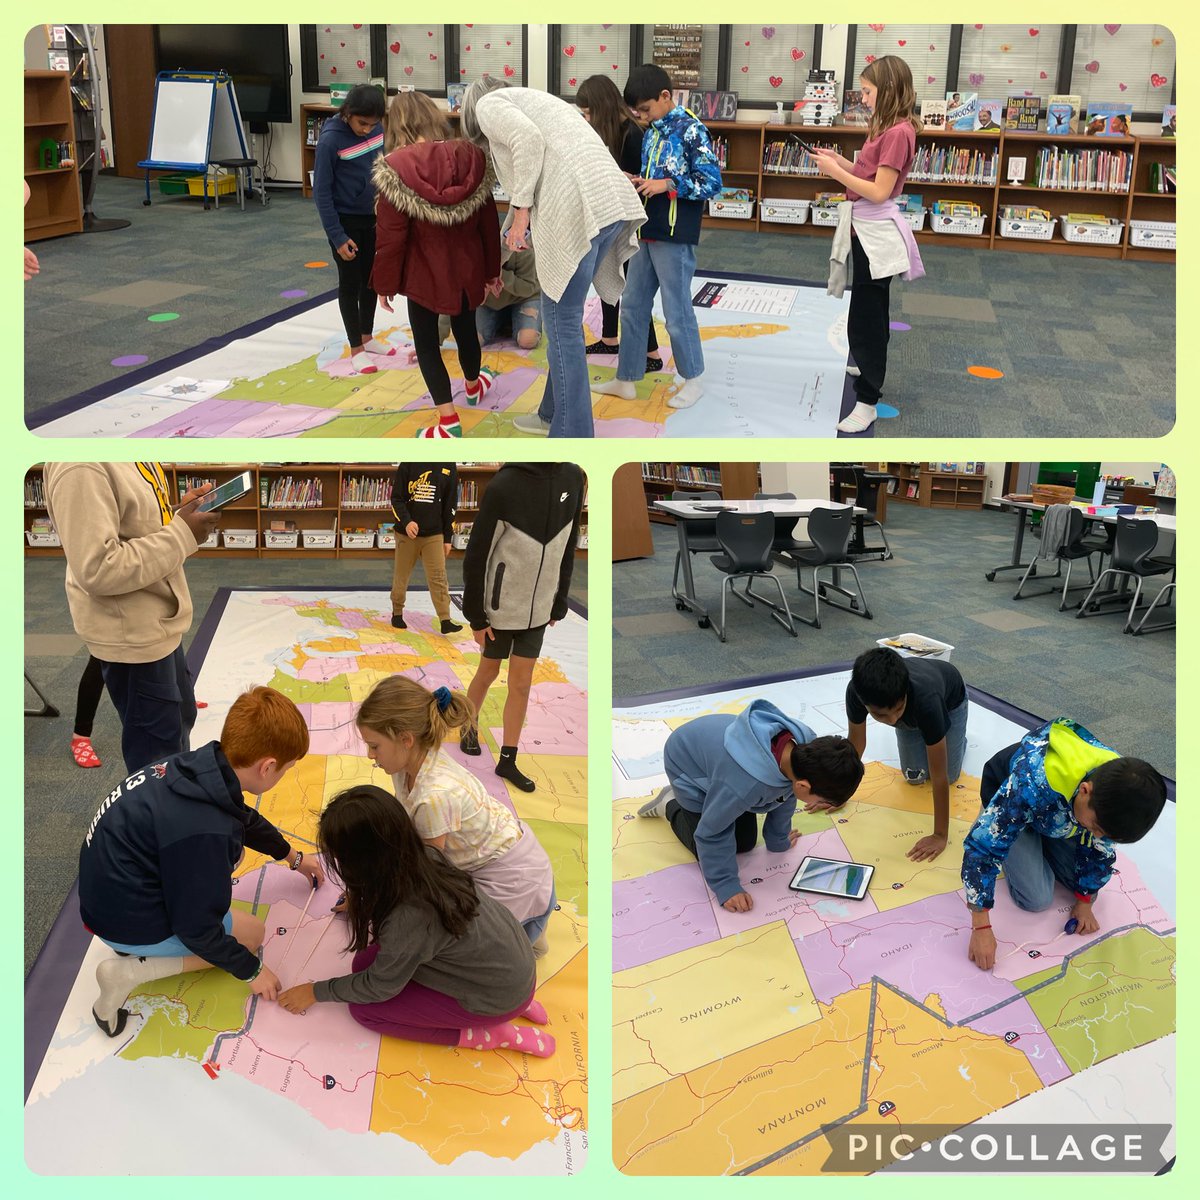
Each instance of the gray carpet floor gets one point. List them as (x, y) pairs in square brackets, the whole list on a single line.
[(1086, 345), (1025, 652), (60, 798)]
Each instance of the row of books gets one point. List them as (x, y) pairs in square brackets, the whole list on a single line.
[(295, 493), (720, 147), (688, 473), (187, 483), (313, 124), (790, 158), (35, 491), (1162, 178), (1083, 170), (468, 493), (366, 492), (954, 164)]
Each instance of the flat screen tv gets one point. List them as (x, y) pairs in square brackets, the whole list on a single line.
[(255, 55)]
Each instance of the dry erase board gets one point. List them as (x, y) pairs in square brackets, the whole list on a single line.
[(196, 120)]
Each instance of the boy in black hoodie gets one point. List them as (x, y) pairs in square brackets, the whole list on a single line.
[(155, 866), (516, 577)]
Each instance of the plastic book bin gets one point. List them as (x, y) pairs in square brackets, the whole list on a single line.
[(917, 645)]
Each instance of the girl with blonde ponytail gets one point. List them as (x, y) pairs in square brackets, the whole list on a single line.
[(404, 726)]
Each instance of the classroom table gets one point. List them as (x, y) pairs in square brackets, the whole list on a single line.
[(686, 511), (1164, 521)]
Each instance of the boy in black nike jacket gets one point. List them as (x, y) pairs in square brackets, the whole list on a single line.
[(155, 866), (516, 577)]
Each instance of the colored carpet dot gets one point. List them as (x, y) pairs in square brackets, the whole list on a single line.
[(130, 360), (886, 410), (985, 372), (294, 294), (159, 318), (314, 265), (899, 326)]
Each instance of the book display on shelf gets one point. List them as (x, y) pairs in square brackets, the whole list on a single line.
[(1168, 121), (1108, 120), (854, 111), (1022, 113), (933, 114), (989, 116), (962, 111), (1062, 115)]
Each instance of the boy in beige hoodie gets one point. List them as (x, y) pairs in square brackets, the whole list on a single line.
[(125, 544)]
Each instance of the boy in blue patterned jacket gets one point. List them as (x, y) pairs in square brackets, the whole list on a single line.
[(1053, 804), (680, 173)]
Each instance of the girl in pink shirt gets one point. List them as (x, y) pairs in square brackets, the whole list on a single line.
[(872, 183)]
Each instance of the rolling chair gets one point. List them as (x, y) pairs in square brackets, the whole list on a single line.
[(829, 530), (1133, 548), (746, 541), (784, 526), (1074, 546)]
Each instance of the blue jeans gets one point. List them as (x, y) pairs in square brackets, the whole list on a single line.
[(165, 949), (565, 355), (490, 321), (913, 754), (667, 267), (536, 926), (1033, 864)]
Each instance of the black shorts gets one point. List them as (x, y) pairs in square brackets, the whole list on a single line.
[(520, 643)]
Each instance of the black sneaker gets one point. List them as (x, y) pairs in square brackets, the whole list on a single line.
[(398, 621), (449, 626), (600, 348)]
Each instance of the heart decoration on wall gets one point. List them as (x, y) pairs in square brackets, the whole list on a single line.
[(466, 49), (333, 70), (870, 58), (462, 70), (902, 42), (1004, 49), (1092, 67), (932, 47), (429, 33), (1156, 41), (602, 49), (433, 58), (877, 28), (931, 79), (768, 31), (572, 81), (342, 44), (360, 64), (355, 26), (978, 26), (395, 47), (1111, 29), (1043, 75), (408, 70), (1034, 32), (509, 72), (775, 81), (747, 43), (1124, 87), (975, 79), (745, 70), (1157, 81), (569, 51), (797, 55)]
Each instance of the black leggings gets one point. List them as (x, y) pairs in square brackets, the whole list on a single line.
[(91, 687), (426, 342), (355, 298), (684, 823), (611, 313), (867, 326)]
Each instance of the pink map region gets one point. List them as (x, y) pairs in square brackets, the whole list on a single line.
[(1032, 1040), (550, 727), (325, 669), (351, 619), (331, 728), (243, 418), (661, 914)]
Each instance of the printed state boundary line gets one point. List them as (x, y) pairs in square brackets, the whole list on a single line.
[(868, 1052)]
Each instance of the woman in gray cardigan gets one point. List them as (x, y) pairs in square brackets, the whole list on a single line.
[(565, 188)]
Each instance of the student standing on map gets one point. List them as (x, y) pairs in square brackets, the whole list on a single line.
[(154, 869), (125, 545), (516, 579), (424, 498), (565, 190), (925, 701), (435, 960), (404, 725), (726, 770), (1053, 804)]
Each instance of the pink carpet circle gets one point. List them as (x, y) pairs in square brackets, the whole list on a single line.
[(899, 326), (130, 360)]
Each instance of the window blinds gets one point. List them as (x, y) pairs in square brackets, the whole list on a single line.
[(416, 57), (493, 50), (1124, 64), (343, 54), (585, 50), (770, 62), (1006, 60), (924, 47)]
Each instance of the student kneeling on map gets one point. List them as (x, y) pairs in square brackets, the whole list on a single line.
[(724, 770), (1052, 805), (925, 700), (154, 870)]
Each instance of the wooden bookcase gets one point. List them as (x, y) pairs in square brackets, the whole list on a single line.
[(747, 142), (735, 481), (951, 489), (908, 482), (55, 203), (254, 510)]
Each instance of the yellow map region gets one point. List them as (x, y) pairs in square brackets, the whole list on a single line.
[(677, 1013), (761, 1110), (642, 844)]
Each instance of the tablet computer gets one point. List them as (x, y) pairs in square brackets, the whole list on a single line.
[(832, 877), (239, 485), (712, 506)]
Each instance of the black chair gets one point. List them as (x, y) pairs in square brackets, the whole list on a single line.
[(242, 182), (1132, 559), (701, 539), (1074, 547), (829, 532), (746, 540), (866, 495), (784, 525)]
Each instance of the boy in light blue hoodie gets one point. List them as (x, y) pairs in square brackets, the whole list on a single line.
[(724, 770)]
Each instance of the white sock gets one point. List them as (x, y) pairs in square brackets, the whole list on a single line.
[(360, 360), (687, 395), (118, 977), (854, 372), (861, 417), (617, 387), (375, 346)]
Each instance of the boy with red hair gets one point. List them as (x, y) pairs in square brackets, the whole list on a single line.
[(155, 866)]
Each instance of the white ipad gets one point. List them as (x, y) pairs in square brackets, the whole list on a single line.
[(832, 877), (231, 489)]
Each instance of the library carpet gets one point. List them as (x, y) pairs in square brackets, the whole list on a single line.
[(775, 357), (312, 1088), (758, 1042)]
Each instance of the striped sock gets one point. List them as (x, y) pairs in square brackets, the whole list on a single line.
[(478, 388), (447, 427)]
